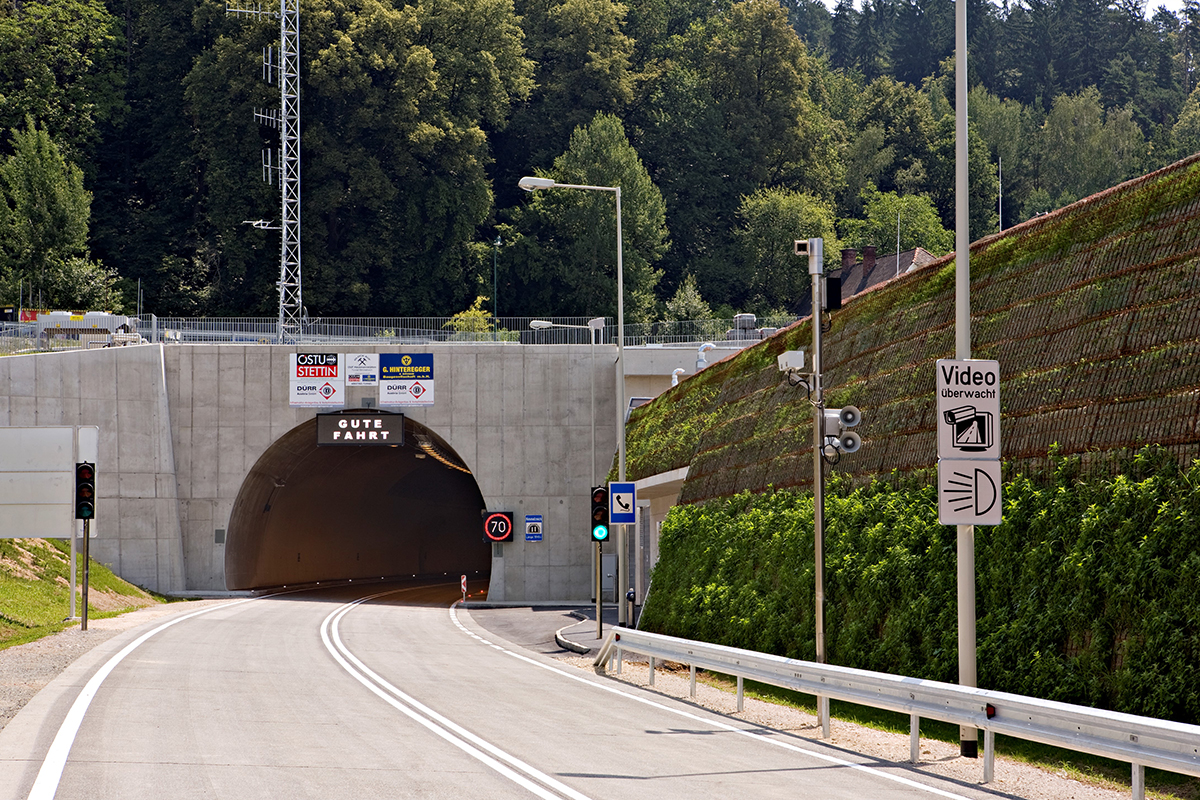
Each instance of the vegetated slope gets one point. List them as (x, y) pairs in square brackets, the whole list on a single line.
[(35, 589), (1086, 593), (1093, 312)]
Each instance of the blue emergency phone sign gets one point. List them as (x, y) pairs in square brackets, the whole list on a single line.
[(622, 503)]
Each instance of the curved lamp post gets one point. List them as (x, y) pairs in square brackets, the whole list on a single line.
[(594, 327), (532, 184)]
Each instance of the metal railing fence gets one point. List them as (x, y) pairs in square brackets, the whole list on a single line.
[(740, 332), (1140, 741)]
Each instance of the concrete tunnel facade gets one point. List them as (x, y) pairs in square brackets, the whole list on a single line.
[(190, 435)]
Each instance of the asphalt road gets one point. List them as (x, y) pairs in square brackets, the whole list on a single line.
[(342, 693)]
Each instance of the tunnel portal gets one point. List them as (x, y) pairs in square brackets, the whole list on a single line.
[(310, 513)]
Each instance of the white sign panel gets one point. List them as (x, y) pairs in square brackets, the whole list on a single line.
[(362, 369), (37, 479), (969, 492), (968, 409), (317, 380)]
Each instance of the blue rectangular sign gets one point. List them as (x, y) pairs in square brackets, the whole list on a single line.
[(406, 366), (622, 503), (533, 527)]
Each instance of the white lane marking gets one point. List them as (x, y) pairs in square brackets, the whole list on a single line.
[(445, 728), (48, 777), (755, 735)]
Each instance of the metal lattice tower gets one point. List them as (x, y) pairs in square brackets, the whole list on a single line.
[(284, 163)]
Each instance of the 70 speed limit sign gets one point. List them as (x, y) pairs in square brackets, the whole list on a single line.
[(498, 526)]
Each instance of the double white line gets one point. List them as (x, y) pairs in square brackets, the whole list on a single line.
[(509, 766)]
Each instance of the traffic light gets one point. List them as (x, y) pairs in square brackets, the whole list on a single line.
[(498, 526), (600, 514), (85, 490)]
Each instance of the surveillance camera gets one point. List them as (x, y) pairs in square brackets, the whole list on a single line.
[(792, 360), (801, 246), (850, 416)]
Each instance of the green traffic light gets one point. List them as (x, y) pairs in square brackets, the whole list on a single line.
[(600, 533)]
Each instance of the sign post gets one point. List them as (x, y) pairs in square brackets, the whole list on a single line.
[(622, 510), (968, 435)]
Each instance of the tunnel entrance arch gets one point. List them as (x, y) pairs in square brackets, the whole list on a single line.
[(306, 513)]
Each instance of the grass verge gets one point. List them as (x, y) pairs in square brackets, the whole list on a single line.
[(35, 597)]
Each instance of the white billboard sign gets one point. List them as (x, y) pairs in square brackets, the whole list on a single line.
[(317, 380), (37, 479), (968, 409), (362, 369), (969, 492)]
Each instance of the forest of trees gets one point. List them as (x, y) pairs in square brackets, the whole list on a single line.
[(129, 150)]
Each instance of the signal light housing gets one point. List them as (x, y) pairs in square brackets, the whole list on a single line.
[(85, 490), (599, 518)]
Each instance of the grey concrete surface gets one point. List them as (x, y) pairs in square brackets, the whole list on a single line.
[(246, 702), (181, 427)]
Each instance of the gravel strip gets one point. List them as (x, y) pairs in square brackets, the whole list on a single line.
[(26, 668), (942, 759)]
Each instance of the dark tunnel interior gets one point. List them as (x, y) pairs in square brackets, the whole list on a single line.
[(310, 513)]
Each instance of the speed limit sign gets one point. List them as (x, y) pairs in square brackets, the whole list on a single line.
[(498, 526)]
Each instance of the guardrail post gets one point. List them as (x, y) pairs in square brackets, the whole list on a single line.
[(1139, 782), (620, 659), (989, 756), (914, 739), (823, 715), (652, 670), (741, 696), (692, 669)]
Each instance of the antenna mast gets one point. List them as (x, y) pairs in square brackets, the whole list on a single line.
[(286, 161)]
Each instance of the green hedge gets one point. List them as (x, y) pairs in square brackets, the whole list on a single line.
[(1089, 592)]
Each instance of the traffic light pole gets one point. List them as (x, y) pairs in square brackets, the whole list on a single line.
[(599, 596), (74, 561), (87, 532)]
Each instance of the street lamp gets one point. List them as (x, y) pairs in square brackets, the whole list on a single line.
[(495, 300), (530, 183), (594, 327)]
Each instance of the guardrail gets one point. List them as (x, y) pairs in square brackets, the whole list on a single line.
[(1140, 741)]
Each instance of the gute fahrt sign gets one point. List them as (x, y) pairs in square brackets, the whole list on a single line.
[(360, 430)]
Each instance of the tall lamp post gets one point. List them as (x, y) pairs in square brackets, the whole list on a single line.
[(594, 327), (531, 184), (495, 272)]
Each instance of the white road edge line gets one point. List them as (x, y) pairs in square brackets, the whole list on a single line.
[(45, 786), (715, 723), (469, 742)]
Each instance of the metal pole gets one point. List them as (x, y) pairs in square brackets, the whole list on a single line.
[(74, 545), (495, 298), (599, 545), (622, 556), (815, 271), (816, 268), (968, 736), (84, 611)]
